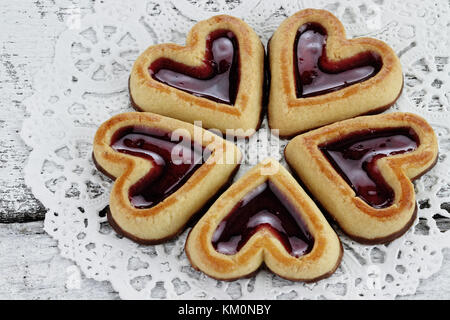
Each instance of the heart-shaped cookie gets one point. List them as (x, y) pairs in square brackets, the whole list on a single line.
[(166, 170), (360, 170), (319, 77), (264, 217), (217, 78)]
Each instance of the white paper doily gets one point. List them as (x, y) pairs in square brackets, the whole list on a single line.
[(87, 84)]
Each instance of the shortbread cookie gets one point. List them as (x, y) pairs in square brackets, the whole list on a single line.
[(360, 170), (217, 78), (319, 77), (264, 217), (166, 170)]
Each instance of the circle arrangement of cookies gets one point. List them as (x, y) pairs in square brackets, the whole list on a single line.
[(352, 164)]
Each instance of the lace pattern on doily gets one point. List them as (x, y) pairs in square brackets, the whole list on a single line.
[(87, 83)]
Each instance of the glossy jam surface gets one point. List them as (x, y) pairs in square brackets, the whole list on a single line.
[(316, 75), (264, 207), (355, 158), (217, 79), (174, 162)]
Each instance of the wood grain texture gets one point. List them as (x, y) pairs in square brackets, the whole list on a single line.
[(30, 263), (436, 287), (31, 268), (32, 28)]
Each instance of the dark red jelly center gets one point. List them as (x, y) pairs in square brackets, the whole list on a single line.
[(316, 75), (217, 79), (174, 160), (264, 207), (355, 158)]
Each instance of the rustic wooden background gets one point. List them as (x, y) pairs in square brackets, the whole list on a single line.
[(30, 265)]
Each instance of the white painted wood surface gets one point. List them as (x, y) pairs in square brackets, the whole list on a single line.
[(31, 268), (30, 265)]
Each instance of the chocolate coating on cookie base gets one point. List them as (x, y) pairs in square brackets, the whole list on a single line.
[(264, 95), (263, 266), (367, 241), (369, 113), (192, 220)]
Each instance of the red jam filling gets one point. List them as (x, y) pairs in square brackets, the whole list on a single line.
[(264, 207), (316, 75), (217, 79), (174, 161), (355, 158)]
